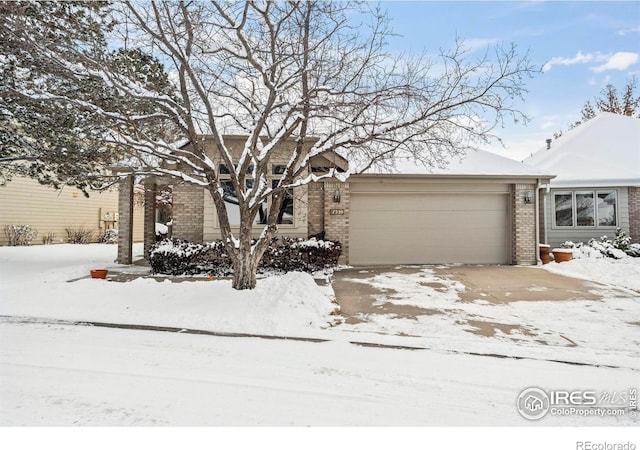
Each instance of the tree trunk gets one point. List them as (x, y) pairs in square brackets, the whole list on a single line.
[(244, 272)]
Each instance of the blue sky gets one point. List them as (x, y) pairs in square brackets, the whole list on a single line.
[(582, 46)]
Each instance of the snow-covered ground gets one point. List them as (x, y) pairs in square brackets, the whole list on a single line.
[(60, 375), (623, 273), (52, 373), (34, 284)]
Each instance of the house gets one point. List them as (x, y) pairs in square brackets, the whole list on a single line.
[(482, 209), (597, 187), (24, 201)]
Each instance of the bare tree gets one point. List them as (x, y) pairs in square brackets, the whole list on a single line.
[(315, 73), (609, 100)]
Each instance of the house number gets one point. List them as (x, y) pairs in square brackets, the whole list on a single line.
[(336, 212)]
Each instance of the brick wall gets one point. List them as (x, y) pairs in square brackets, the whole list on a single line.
[(634, 214), (315, 208), (188, 212), (523, 224), (125, 223), (337, 226)]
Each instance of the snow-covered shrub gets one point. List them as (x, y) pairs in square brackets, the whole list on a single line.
[(79, 235), (49, 238), (605, 246), (20, 234), (621, 241), (109, 236), (305, 255), (177, 257), (634, 250)]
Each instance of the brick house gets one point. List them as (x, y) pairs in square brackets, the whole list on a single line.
[(482, 209), (597, 188)]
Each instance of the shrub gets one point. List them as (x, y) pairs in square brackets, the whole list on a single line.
[(49, 238), (176, 257), (109, 236), (20, 234), (634, 250), (621, 241), (79, 235)]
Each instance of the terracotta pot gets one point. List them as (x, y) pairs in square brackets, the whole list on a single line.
[(544, 253), (99, 273), (561, 255)]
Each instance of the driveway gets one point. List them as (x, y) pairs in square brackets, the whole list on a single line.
[(461, 307)]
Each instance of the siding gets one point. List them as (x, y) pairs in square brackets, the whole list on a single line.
[(25, 201), (556, 236)]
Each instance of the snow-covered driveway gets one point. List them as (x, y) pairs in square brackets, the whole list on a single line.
[(516, 311)]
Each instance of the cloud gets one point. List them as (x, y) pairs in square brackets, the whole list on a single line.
[(580, 58), (618, 61), (479, 43), (615, 61), (629, 30)]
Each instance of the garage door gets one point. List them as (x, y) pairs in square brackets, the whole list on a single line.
[(428, 228)]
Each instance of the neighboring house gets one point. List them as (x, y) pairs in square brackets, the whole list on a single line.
[(482, 210), (597, 187), (23, 201)]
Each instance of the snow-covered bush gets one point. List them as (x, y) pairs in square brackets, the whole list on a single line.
[(617, 248), (621, 241), (79, 235), (634, 250), (49, 238), (177, 257), (20, 234), (109, 236)]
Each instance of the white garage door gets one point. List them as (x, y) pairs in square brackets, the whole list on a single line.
[(428, 228)]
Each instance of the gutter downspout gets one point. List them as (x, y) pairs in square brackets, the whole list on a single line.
[(537, 219)]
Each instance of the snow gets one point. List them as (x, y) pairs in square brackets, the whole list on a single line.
[(624, 272), (477, 162), (604, 151), (60, 373), (35, 285), (567, 330)]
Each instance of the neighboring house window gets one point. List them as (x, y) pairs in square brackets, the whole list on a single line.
[(585, 209), (607, 209), (563, 202), (285, 215)]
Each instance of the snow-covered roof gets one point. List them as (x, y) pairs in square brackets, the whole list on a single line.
[(604, 151), (473, 163)]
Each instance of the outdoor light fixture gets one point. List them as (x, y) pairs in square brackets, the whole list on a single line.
[(336, 196), (527, 197)]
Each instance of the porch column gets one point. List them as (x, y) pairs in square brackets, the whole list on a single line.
[(125, 220), (149, 213)]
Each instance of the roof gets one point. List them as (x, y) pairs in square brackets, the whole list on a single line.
[(476, 163), (604, 151)]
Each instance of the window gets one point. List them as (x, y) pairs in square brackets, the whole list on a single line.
[(564, 209), (285, 215), (607, 209), (585, 209)]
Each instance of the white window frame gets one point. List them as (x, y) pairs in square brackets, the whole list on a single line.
[(596, 213)]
